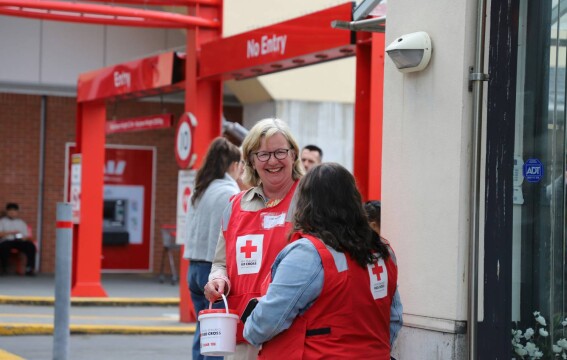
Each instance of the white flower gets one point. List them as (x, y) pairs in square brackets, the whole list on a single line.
[(540, 319), (529, 333), (536, 336), (531, 348)]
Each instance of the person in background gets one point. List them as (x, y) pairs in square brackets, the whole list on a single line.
[(332, 287), (14, 235), (215, 183), (373, 210), (256, 224), (311, 155)]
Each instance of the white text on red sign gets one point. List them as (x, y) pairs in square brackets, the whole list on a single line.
[(266, 45), (122, 79)]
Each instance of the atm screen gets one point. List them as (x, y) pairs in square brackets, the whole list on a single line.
[(109, 208), (115, 231), (114, 213)]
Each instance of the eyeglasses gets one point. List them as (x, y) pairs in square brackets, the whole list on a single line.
[(279, 154)]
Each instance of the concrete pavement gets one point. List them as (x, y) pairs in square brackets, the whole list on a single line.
[(137, 304), (97, 347)]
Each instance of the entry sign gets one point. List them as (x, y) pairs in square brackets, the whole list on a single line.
[(533, 170), (184, 140)]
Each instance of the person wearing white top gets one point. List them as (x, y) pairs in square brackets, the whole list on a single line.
[(14, 234), (215, 184)]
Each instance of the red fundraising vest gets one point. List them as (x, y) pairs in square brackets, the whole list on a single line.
[(349, 320), (253, 240)]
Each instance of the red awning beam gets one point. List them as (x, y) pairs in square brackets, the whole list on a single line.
[(100, 14), (163, 2)]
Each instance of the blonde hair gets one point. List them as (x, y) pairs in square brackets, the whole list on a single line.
[(267, 128)]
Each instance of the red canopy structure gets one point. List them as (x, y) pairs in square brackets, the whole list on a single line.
[(105, 14), (208, 61)]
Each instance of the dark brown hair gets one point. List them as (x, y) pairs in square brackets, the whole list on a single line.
[(329, 207), (221, 154), (372, 208)]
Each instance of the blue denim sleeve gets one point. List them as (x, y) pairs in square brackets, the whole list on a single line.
[(297, 281), (396, 317)]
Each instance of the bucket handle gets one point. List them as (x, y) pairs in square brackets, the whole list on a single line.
[(225, 304)]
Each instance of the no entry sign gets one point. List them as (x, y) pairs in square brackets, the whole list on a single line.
[(184, 140)]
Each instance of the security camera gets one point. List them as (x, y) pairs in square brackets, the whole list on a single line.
[(410, 52)]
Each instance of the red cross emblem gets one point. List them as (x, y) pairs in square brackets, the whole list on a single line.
[(185, 199), (248, 249), (377, 270)]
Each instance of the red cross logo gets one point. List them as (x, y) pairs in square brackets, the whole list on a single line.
[(185, 199), (377, 270), (248, 249)]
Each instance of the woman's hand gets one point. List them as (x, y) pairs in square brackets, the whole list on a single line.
[(214, 289)]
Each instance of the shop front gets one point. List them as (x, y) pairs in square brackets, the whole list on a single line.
[(525, 248), (538, 236)]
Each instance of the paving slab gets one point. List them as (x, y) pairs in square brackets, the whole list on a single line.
[(137, 304)]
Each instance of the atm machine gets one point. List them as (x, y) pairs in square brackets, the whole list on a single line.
[(123, 215), (114, 225)]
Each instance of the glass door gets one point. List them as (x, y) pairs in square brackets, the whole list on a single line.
[(538, 252)]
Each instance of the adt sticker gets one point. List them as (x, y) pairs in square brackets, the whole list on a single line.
[(533, 170)]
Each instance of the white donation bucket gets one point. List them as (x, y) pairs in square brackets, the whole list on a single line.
[(218, 330)]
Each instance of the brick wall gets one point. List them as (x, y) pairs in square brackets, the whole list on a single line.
[(20, 154), (59, 129)]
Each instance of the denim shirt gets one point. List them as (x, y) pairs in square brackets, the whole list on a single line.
[(297, 281)]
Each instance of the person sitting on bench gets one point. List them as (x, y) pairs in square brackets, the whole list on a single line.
[(14, 235)]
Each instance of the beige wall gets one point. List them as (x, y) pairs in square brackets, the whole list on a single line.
[(426, 162), (241, 16)]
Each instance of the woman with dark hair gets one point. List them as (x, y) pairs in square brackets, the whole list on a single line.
[(215, 183), (373, 213), (332, 286)]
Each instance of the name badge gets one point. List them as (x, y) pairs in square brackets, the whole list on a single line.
[(271, 220)]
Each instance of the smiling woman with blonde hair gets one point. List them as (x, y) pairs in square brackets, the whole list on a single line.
[(256, 224)]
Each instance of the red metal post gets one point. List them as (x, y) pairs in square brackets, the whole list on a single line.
[(90, 141), (376, 117), (186, 312), (368, 114), (203, 98)]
